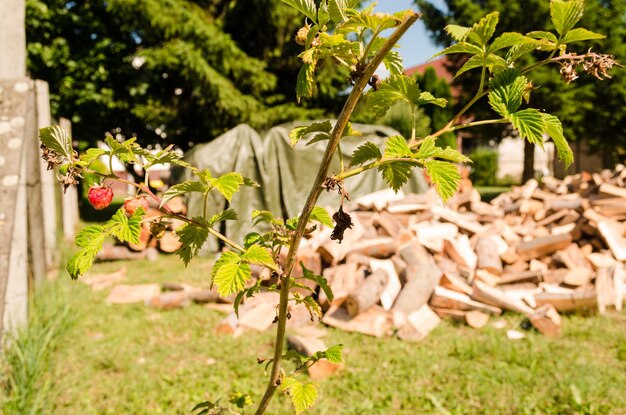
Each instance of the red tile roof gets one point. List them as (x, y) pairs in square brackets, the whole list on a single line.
[(439, 65)]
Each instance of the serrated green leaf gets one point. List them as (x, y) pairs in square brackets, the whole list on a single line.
[(251, 239), (91, 155), (126, 229), (256, 254), (530, 124), (428, 98), (517, 51), (445, 176), (461, 47), (319, 280), (338, 9), (579, 34), (319, 214), (350, 132), (554, 129), (228, 214), (393, 89), (493, 62), (90, 240), (312, 306), (303, 395), (364, 153), (396, 173), (508, 39), (250, 183), (230, 273), (228, 184), (182, 188), (396, 147), (334, 353), (259, 216), (57, 139), (565, 14), (306, 7), (429, 149), (456, 32), (323, 15), (315, 128), (192, 237), (305, 84), (165, 156), (481, 32), (506, 89), (540, 34), (393, 62)]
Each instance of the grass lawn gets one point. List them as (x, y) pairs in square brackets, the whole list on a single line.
[(135, 360)]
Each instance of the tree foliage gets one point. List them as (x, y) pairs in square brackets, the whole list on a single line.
[(170, 71)]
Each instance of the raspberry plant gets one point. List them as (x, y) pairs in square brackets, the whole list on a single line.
[(336, 33)]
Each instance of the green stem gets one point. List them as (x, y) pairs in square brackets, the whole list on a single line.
[(314, 193), (341, 167)]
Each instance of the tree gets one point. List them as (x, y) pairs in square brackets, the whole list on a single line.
[(170, 71), (585, 106)]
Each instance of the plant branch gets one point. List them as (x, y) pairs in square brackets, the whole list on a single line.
[(375, 164), (169, 212), (316, 189)]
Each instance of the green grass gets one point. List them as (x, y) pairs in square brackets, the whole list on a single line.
[(135, 360)]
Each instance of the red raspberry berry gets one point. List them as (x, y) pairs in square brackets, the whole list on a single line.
[(133, 203), (100, 197)]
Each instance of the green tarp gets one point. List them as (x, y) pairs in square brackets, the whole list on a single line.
[(285, 174)]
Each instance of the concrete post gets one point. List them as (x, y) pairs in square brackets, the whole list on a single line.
[(12, 40)]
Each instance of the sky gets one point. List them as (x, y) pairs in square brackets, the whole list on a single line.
[(416, 46)]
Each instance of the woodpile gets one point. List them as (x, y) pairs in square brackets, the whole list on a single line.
[(542, 249)]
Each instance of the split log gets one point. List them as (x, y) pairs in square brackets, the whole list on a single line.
[(605, 289), (393, 286), (129, 294), (484, 293), (569, 300), (444, 298), (543, 246), (99, 282), (169, 243), (419, 324), (612, 233), (170, 300), (488, 258), (388, 223), (547, 320), (476, 319), (368, 294), (461, 252), (522, 276), (374, 322), (377, 248)]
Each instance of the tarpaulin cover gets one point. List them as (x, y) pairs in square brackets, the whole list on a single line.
[(285, 173)]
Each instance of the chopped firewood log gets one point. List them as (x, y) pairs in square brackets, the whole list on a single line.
[(416, 291), (460, 251), (308, 346), (204, 296), (618, 283), (122, 253), (170, 300), (569, 300), (487, 253), (393, 286), (377, 248), (546, 320), (228, 325), (374, 322), (499, 298), (431, 235), (99, 282), (177, 205), (613, 190), (388, 223), (600, 260), (129, 294), (486, 277), (460, 220), (605, 289), (444, 298), (578, 277), (476, 319), (368, 293), (258, 317), (612, 233), (169, 243), (378, 200), (538, 247), (521, 276), (419, 324), (144, 238)]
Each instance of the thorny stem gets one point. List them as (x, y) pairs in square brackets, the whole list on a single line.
[(316, 189)]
